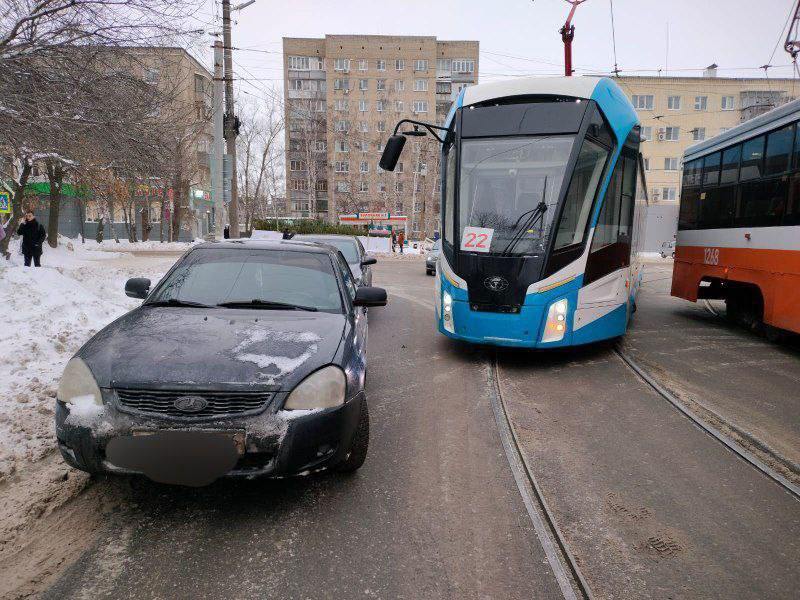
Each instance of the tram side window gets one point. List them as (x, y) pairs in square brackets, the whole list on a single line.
[(779, 149), (730, 165), (449, 194), (687, 216), (752, 159), (762, 203), (716, 207), (792, 216), (711, 169)]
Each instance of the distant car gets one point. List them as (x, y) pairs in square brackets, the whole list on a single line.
[(247, 359), (432, 257), (353, 251), (668, 249)]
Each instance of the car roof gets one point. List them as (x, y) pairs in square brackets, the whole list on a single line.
[(323, 236), (290, 245)]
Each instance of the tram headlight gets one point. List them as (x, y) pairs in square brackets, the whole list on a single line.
[(556, 325), (447, 312)]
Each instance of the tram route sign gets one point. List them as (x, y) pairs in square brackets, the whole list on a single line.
[(476, 239), (5, 203)]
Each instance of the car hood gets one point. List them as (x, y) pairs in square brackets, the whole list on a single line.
[(221, 348)]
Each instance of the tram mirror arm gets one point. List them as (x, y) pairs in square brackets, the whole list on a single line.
[(396, 142)]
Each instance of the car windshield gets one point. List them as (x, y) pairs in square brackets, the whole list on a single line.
[(508, 192), (215, 276), (346, 245)]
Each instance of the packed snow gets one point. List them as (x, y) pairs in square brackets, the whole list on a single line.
[(49, 313), (255, 338)]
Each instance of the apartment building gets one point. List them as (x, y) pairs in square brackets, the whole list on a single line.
[(344, 95), (677, 112)]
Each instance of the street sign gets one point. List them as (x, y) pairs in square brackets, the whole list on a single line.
[(5, 203)]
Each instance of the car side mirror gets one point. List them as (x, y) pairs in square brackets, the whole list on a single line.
[(370, 296), (368, 260), (138, 287), (391, 153)]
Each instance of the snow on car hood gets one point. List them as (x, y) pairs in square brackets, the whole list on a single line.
[(217, 348)]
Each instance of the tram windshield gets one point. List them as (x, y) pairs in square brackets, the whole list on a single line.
[(509, 190)]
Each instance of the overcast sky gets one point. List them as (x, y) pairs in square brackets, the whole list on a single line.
[(520, 37)]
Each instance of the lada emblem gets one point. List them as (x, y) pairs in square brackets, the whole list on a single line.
[(190, 404)]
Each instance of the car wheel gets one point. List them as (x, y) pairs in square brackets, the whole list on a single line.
[(358, 449)]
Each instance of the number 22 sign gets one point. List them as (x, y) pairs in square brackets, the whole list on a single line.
[(476, 239)]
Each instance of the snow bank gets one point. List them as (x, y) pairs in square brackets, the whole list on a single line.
[(48, 313)]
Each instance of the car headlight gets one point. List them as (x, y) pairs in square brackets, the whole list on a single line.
[(556, 325), (322, 389), (77, 382), (447, 312)]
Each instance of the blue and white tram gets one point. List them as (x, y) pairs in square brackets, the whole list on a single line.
[(543, 208)]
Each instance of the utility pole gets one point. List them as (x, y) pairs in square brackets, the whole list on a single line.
[(567, 35), (217, 147), (230, 118)]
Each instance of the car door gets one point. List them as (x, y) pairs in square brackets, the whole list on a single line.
[(359, 312)]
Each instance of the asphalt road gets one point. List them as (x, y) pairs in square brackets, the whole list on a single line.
[(434, 512)]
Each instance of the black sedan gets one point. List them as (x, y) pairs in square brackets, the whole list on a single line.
[(352, 249), (247, 359)]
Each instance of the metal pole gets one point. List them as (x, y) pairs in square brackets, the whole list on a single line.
[(230, 126), (218, 147)]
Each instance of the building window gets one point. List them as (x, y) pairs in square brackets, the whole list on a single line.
[(321, 185), (380, 146), (674, 103), (420, 106), (342, 186), (321, 146), (297, 165), (646, 134), (399, 64), (422, 168), (399, 85), (444, 87), (672, 134), (642, 102), (342, 126), (698, 133), (646, 162), (341, 84), (380, 64), (399, 168), (381, 186), (668, 193), (701, 102), (398, 105), (363, 84), (381, 85), (670, 164), (379, 105), (362, 64), (363, 127), (341, 146), (341, 166), (363, 167), (320, 106), (300, 185), (299, 63), (381, 126), (341, 64), (727, 103), (296, 84), (363, 186), (341, 104), (363, 106), (420, 65), (463, 65), (420, 85), (398, 186), (723, 129)]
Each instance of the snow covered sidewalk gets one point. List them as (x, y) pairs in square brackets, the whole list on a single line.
[(48, 313)]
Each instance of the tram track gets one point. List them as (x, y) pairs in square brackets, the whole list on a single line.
[(567, 572), (729, 442)]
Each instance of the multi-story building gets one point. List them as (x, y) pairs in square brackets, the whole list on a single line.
[(344, 94), (677, 112)]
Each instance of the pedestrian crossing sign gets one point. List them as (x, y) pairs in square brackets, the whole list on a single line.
[(5, 202)]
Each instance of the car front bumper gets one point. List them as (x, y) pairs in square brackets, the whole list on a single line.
[(272, 443)]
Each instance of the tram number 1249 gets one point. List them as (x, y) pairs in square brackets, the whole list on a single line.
[(711, 256)]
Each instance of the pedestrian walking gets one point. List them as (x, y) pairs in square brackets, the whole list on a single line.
[(401, 239), (287, 235), (33, 236), (226, 232), (394, 240)]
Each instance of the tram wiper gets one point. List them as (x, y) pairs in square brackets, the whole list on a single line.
[(534, 215)]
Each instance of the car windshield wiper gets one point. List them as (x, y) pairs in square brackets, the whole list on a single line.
[(176, 302), (265, 304), (533, 215)]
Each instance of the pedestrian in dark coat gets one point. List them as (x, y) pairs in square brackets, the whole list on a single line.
[(33, 236), (394, 240)]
